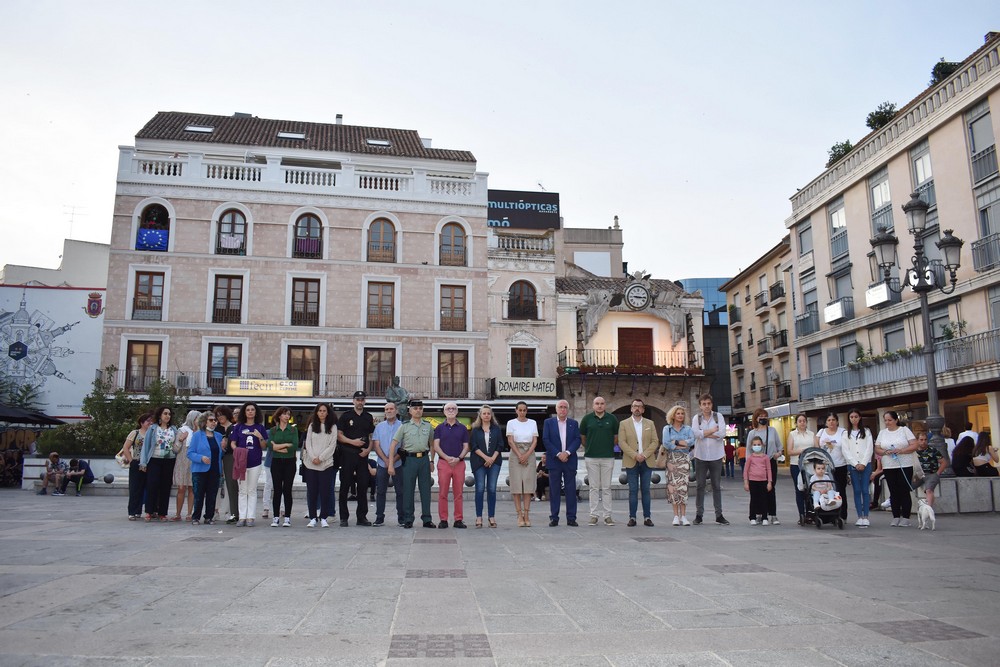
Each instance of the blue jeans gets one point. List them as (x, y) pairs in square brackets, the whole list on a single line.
[(800, 496), (731, 468), (859, 482), (486, 480), (638, 476)]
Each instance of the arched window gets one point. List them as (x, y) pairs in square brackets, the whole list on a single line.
[(232, 236), (381, 241), (154, 229), (452, 245), (308, 237), (522, 303)]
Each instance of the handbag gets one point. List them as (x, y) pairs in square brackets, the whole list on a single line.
[(661, 458), (120, 460)]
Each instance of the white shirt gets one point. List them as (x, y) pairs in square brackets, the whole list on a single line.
[(892, 440), (524, 431), (637, 425), (833, 444), (709, 447), (562, 433)]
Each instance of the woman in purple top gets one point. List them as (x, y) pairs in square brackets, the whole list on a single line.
[(249, 434)]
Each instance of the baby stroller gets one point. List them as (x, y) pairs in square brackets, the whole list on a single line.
[(816, 514)]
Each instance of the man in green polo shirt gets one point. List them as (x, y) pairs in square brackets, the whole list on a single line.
[(599, 431), (415, 437)]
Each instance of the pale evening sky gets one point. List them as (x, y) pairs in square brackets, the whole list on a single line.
[(693, 122)]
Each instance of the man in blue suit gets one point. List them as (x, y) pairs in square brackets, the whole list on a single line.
[(561, 437)]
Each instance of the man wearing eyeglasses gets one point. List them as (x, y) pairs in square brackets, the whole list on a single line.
[(451, 443)]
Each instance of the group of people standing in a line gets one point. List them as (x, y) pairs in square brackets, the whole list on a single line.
[(237, 448)]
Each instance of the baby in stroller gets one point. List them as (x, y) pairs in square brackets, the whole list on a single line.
[(824, 492), (823, 501)]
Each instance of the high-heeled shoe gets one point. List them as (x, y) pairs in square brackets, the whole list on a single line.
[(493, 522), (479, 522), (527, 519), (520, 519)]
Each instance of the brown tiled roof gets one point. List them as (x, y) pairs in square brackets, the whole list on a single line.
[(584, 285), (253, 131)]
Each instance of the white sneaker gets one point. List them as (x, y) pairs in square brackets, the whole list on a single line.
[(894, 523), (753, 522), (311, 524), (886, 504), (274, 522), (288, 523), (904, 523), (867, 522), (677, 521), (765, 522), (323, 523), (684, 521), (860, 522)]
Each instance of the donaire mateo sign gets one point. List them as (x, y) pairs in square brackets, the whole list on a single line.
[(517, 387), (524, 210)]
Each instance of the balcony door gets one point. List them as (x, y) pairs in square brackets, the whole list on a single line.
[(635, 347)]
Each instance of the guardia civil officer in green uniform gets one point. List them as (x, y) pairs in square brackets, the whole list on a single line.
[(412, 443)]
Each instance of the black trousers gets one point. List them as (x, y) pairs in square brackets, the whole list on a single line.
[(282, 476), (353, 469), (900, 492), (772, 497), (840, 480), (318, 497), (232, 486), (759, 498), (206, 490), (159, 479), (136, 488)]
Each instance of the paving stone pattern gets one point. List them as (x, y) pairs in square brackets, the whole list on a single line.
[(82, 585)]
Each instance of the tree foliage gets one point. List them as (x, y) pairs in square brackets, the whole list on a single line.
[(941, 71), (26, 395), (113, 413), (838, 151), (881, 116)]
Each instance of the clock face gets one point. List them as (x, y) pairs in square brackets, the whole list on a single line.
[(636, 296)]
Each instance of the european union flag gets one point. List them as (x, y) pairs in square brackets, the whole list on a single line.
[(152, 239)]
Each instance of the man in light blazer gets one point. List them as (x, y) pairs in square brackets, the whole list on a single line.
[(561, 438), (638, 442)]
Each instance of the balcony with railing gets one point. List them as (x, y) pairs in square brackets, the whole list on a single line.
[(740, 401), (452, 256), (777, 292), (838, 244), (736, 358), (305, 315), (231, 244), (882, 218), (807, 323), (243, 172), (380, 317), (214, 382), (632, 362), (780, 341), (839, 310), (307, 248), (783, 391), (735, 317), (766, 394), (964, 353), (760, 302), (984, 164), (523, 309), (148, 308), (986, 253), (381, 252), (763, 347), (882, 293), (453, 319), (521, 244), (926, 192), (226, 314)]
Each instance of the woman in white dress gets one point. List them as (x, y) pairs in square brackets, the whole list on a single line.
[(182, 468)]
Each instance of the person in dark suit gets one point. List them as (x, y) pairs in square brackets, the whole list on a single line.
[(561, 438)]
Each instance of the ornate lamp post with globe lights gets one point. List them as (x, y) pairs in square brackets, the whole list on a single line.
[(922, 278)]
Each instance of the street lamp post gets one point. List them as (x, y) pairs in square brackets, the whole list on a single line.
[(922, 279)]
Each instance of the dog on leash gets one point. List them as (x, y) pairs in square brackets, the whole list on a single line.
[(925, 515)]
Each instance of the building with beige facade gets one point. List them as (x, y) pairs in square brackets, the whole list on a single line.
[(248, 251), (762, 366), (856, 339)]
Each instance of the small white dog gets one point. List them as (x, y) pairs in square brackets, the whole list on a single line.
[(925, 515)]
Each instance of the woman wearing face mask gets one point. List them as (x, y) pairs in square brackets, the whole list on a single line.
[(832, 439), (773, 448), (799, 440)]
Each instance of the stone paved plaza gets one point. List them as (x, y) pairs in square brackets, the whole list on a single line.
[(81, 585)]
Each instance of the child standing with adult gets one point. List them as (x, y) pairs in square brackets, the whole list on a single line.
[(758, 481)]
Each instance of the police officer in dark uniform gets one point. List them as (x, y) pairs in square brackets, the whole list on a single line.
[(354, 431)]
